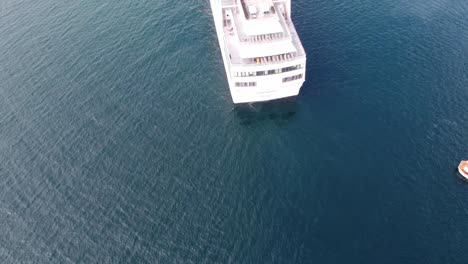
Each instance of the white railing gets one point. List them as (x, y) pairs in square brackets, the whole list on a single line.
[(269, 60)]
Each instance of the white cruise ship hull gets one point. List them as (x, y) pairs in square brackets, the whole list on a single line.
[(268, 87)]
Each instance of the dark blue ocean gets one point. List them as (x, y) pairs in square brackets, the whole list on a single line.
[(119, 142)]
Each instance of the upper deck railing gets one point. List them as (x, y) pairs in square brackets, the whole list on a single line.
[(268, 60)]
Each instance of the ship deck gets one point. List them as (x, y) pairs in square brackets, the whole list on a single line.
[(266, 39)]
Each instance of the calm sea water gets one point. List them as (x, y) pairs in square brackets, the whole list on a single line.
[(119, 141)]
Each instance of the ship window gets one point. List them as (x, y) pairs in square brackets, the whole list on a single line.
[(292, 78), (245, 84), (269, 72), (291, 68)]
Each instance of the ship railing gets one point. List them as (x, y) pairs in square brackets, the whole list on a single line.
[(264, 38), (282, 20), (295, 38), (268, 60)]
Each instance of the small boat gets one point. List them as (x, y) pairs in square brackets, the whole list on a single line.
[(463, 168)]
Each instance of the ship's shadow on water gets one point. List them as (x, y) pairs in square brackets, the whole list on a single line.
[(280, 112)]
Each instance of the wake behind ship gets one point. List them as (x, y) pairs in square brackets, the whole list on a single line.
[(262, 53)]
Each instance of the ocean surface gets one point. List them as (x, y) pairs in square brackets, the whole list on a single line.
[(119, 141)]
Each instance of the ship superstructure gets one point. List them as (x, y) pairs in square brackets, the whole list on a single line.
[(262, 53)]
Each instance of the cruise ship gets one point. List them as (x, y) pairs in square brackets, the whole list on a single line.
[(263, 56)]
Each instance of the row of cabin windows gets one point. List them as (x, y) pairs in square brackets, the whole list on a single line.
[(245, 84), (292, 78), (269, 72)]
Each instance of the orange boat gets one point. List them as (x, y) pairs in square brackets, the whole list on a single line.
[(463, 168)]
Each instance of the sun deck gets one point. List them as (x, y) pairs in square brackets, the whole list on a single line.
[(257, 32)]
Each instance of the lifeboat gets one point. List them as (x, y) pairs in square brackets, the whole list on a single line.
[(463, 168)]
